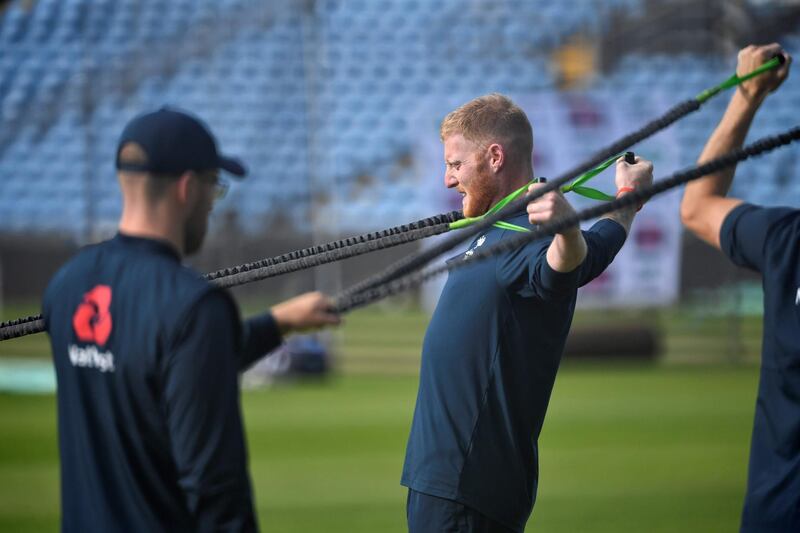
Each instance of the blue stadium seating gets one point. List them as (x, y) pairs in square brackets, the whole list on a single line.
[(322, 100)]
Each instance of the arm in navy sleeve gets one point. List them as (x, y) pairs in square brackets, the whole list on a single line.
[(745, 231), (260, 335), (528, 272), (201, 395), (603, 241)]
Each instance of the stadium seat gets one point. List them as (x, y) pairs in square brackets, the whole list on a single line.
[(380, 61)]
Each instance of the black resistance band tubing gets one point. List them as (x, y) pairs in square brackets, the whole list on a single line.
[(420, 259), (348, 300), (257, 274), (310, 257), (682, 109), (336, 250)]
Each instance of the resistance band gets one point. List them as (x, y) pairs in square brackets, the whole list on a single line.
[(315, 255), (420, 259), (351, 246), (348, 301), (261, 269), (576, 186)]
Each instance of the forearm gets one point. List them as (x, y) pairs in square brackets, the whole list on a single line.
[(704, 206), (729, 135), (567, 251), (623, 217)]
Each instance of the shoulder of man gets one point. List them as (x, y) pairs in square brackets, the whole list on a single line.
[(173, 290), (749, 230), (62, 279), (192, 293), (210, 301)]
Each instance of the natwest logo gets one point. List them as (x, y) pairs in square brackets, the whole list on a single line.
[(92, 318)]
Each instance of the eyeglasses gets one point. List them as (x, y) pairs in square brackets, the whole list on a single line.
[(220, 186), (220, 189)]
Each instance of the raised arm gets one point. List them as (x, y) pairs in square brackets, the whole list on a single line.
[(704, 206), (628, 178), (568, 248)]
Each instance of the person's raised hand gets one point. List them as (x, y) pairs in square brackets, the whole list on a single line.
[(548, 207), (311, 310), (630, 177), (753, 56)]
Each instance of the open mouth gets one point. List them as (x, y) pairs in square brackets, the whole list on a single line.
[(463, 195)]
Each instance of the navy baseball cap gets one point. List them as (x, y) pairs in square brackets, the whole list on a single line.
[(174, 142)]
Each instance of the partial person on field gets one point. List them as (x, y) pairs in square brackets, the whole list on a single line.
[(148, 354), (766, 240)]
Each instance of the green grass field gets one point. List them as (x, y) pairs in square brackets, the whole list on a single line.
[(625, 447)]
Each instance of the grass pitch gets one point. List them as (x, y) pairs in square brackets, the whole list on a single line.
[(625, 448)]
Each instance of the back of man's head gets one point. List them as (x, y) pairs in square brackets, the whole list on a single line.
[(168, 167), (154, 186), (158, 147), (173, 142), (492, 118)]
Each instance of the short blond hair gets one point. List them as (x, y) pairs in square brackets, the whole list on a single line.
[(492, 118)]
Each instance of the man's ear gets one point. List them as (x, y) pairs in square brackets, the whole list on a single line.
[(497, 156), (187, 187)]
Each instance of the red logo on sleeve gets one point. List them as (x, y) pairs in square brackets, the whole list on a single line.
[(92, 319)]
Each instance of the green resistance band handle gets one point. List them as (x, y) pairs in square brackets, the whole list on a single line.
[(593, 194), (775, 62), (575, 186)]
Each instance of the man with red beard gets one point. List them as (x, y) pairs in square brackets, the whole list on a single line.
[(494, 343)]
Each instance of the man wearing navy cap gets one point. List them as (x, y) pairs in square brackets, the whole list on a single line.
[(147, 353), (766, 240)]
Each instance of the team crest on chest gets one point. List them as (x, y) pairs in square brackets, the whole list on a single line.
[(471, 251)]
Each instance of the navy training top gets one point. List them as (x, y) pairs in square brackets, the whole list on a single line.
[(489, 360), (767, 240), (147, 356)]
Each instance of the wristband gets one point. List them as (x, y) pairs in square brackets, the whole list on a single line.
[(629, 189)]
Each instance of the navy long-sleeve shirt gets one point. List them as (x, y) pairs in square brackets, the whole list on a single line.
[(147, 357), (489, 361)]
